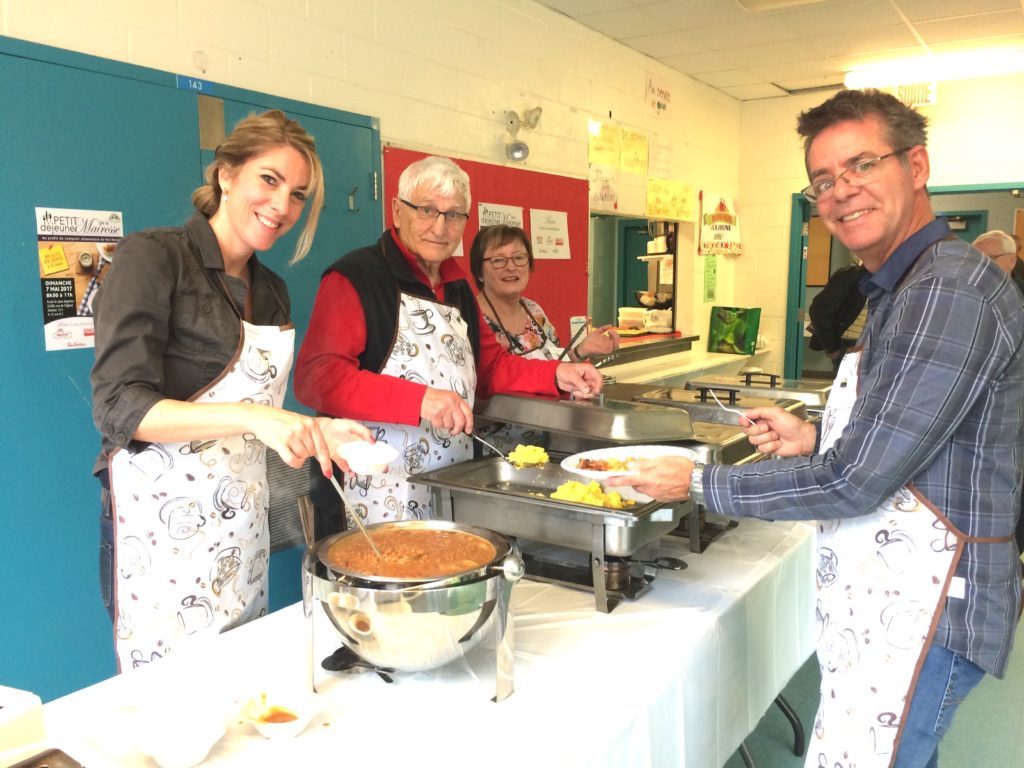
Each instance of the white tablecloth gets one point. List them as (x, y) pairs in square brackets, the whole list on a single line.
[(678, 677)]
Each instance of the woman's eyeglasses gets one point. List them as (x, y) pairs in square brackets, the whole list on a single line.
[(500, 262)]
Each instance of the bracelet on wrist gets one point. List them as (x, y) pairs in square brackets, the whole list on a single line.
[(579, 355)]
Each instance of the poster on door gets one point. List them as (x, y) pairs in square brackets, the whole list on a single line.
[(74, 248)]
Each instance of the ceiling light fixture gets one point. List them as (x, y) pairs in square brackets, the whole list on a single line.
[(937, 68)]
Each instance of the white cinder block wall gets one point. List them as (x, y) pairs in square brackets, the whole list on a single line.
[(440, 74)]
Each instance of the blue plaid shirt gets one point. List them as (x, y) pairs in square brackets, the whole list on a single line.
[(940, 405)]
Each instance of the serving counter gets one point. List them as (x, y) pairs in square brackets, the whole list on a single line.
[(678, 677)]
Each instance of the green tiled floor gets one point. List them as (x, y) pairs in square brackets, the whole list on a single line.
[(988, 729)]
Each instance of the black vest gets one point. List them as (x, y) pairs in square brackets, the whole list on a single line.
[(380, 274)]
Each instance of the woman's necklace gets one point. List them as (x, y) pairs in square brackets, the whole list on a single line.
[(515, 345)]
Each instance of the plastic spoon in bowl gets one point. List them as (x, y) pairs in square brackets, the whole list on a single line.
[(355, 516), (738, 412)]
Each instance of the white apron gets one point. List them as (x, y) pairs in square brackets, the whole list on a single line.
[(882, 581), (191, 534), (432, 347)]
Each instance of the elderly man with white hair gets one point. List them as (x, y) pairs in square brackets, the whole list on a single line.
[(1002, 249), (396, 340)]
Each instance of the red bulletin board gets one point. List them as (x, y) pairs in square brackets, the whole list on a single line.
[(558, 285)]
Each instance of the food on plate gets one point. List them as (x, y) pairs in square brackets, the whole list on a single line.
[(528, 456), (590, 493), (612, 464), (411, 553)]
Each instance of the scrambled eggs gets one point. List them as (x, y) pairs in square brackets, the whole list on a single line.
[(528, 456), (591, 493)]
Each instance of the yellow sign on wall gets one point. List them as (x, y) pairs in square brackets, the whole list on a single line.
[(668, 199)]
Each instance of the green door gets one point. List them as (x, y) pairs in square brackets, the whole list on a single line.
[(81, 132)]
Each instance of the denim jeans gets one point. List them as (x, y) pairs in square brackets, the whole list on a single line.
[(945, 680)]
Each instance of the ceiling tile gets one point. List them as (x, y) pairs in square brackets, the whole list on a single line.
[(741, 53), (629, 22), (750, 92), (985, 25), (928, 10)]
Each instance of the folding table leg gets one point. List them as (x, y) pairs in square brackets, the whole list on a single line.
[(748, 760), (798, 728)]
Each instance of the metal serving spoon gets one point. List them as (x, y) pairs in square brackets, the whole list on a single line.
[(506, 458), (481, 440), (355, 516)]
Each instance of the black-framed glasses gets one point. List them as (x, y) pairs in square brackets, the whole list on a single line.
[(500, 262), (856, 175), (430, 213)]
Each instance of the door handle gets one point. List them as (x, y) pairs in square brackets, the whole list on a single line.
[(352, 200)]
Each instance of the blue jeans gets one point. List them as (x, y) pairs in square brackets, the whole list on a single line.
[(944, 682)]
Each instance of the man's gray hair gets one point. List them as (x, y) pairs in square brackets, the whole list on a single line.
[(1005, 243), (435, 173)]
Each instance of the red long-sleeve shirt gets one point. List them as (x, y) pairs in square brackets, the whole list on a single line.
[(329, 380)]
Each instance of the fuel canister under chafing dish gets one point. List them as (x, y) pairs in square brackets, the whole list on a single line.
[(812, 392)]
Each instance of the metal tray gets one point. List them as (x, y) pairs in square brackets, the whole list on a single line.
[(491, 493)]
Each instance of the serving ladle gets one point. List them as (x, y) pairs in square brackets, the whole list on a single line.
[(355, 516)]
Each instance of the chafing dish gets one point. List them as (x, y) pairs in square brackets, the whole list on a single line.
[(490, 493), (813, 393), (721, 441)]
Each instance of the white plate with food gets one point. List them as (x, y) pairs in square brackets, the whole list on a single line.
[(621, 460)]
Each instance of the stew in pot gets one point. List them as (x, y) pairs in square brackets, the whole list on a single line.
[(411, 553)]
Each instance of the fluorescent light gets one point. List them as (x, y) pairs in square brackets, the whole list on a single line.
[(937, 68)]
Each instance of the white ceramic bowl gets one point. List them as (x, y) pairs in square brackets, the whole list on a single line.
[(367, 458), (180, 738), (280, 715)]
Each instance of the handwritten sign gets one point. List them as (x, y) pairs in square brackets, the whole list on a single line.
[(633, 152), (667, 199), (52, 259), (658, 98), (604, 147)]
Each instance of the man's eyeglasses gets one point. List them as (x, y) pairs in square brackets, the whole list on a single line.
[(429, 213), (856, 175), (500, 262)]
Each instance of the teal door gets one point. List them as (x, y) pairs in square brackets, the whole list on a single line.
[(86, 133), (633, 238)]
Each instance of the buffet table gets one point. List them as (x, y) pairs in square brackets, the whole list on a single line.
[(678, 677)]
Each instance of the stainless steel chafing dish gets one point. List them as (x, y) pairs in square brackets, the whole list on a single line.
[(720, 441), (813, 393), (490, 493)]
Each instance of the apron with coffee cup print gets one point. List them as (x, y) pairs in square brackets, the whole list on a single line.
[(431, 347), (882, 580), (191, 531)]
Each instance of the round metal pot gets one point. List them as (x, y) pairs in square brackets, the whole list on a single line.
[(412, 625)]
